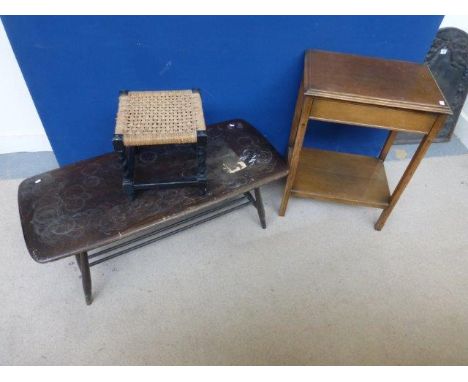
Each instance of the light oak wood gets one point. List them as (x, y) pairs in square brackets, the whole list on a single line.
[(294, 158), (353, 113), (347, 178), (297, 115), (410, 170), (370, 80), (363, 91), (387, 145)]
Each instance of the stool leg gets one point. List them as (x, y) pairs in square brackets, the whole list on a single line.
[(126, 158), (128, 173), (83, 262), (202, 141)]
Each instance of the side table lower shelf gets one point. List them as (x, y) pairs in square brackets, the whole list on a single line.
[(345, 178)]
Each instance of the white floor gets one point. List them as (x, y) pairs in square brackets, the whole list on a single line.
[(319, 286)]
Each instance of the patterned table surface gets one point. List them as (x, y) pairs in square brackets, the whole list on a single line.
[(81, 207)]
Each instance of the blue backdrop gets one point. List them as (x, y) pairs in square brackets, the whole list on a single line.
[(246, 67)]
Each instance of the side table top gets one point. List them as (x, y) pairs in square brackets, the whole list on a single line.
[(370, 80), (81, 207)]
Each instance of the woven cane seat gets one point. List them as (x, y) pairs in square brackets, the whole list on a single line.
[(159, 117)]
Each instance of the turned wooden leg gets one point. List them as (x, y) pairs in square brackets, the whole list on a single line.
[(202, 140), (129, 169), (294, 157), (127, 160), (83, 262), (409, 172)]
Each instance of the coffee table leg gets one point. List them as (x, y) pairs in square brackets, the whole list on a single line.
[(259, 206), (83, 264), (78, 261)]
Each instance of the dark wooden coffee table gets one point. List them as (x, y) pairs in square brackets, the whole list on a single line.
[(80, 210)]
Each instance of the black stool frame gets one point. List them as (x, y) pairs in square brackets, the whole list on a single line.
[(127, 159)]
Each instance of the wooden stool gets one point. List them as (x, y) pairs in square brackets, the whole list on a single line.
[(147, 118), (363, 91)]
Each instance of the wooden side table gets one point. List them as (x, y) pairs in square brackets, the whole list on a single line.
[(363, 91)]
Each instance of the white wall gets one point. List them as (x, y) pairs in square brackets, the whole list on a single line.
[(460, 22), (20, 126)]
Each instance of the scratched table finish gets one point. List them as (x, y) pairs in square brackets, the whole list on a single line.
[(81, 207)]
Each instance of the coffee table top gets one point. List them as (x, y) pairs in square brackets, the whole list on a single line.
[(81, 207), (370, 80)]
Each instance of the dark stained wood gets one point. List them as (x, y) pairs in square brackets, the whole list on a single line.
[(260, 207), (347, 178), (83, 264), (352, 113), (77, 208), (372, 80)]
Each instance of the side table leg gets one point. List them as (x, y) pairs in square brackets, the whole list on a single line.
[(297, 116), (410, 170), (388, 145), (260, 207), (294, 159), (85, 276)]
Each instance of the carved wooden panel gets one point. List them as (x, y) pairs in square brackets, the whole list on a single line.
[(448, 61)]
